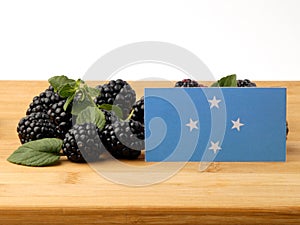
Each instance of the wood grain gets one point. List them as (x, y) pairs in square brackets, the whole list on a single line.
[(68, 193)]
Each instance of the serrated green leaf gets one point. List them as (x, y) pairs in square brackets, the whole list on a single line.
[(228, 81), (107, 107), (215, 84), (93, 92), (91, 115), (67, 91), (81, 101), (41, 152), (79, 81), (114, 108), (58, 82)]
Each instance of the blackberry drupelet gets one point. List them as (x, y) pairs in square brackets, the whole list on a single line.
[(138, 111), (245, 83), (119, 93), (35, 126), (123, 139), (61, 119), (43, 101), (187, 83), (82, 143)]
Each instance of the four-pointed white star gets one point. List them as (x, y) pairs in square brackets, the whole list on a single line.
[(192, 124), (237, 124), (215, 146), (214, 102)]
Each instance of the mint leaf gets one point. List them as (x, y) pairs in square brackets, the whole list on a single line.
[(58, 82), (114, 108), (41, 152), (67, 91), (91, 115), (68, 101), (228, 81), (93, 92), (81, 101)]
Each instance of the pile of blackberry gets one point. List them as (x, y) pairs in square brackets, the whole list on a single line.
[(121, 137)]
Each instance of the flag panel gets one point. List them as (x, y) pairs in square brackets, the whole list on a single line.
[(220, 124)]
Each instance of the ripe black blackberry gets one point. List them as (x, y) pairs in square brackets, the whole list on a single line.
[(119, 93), (123, 139), (138, 111), (43, 101), (110, 116), (245, 83), (187, 83), (62, 119), (35, 126), (82, 143)]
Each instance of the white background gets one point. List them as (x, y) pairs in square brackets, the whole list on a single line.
[(256, 39)]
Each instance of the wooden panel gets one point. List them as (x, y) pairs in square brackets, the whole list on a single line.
[(68, 193)]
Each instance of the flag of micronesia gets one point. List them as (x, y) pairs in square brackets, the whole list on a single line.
[(215, 124)]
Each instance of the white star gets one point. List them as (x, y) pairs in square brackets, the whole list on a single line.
[(192, 124), (215, 146), (237, 124), (214, 102)]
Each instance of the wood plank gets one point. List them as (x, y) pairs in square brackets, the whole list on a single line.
[(228, 193)]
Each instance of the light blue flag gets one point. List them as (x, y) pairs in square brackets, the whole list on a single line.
[(215, 124)]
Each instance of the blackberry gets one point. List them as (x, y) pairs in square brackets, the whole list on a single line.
[(287, 128), (61, 119), (43, 101), (123, 139), (245, 83), (82, 142), (35, 126), (119, 93), (138, 111), (110, 116), (187, 83)]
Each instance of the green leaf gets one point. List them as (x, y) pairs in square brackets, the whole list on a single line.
[(67, 91), (114, 108), (228, 81), (81, 101), (79, 82), (93, 92), (41, 152), (215, 84), (69, 101), (91, 115), (58, 82)]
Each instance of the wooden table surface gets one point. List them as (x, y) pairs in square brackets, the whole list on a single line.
[(69, 193)]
